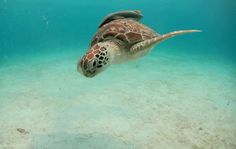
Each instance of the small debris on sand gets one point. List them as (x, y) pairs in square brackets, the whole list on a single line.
[(22, 131)]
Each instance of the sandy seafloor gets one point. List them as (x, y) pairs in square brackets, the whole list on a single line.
[(166, 100)]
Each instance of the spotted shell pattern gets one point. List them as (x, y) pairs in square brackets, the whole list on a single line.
[(126, 31)]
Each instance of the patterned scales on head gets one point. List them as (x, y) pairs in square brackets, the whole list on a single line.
[(98, 52)]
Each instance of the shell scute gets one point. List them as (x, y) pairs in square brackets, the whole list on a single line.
[(132, 36), (127, 31)]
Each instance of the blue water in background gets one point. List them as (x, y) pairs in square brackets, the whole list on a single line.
[(39, 25)]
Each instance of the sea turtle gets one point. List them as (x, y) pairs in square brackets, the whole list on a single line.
[(120, 38)]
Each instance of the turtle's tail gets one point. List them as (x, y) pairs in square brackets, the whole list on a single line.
[(172, 34)]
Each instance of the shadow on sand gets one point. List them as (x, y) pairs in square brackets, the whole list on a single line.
[(78, 141)]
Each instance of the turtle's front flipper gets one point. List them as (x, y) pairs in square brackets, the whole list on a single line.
[(147, 44)]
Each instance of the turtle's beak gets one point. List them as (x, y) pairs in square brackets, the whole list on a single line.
[(90, 74), (87, 69)]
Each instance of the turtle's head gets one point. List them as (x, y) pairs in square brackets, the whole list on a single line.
[(97, 59)]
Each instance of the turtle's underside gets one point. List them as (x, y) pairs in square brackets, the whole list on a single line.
[(120, 38)]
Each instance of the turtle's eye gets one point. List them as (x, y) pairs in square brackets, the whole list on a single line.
[(103, 49)]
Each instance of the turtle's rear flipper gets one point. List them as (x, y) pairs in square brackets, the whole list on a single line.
[(134, 14), (146, 44)]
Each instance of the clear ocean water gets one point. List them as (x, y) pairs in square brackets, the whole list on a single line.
[(182, 95)]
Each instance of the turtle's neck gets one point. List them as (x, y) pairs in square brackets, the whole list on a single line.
[(114, 51)]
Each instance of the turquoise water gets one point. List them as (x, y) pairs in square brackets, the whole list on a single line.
[(181, 95)]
